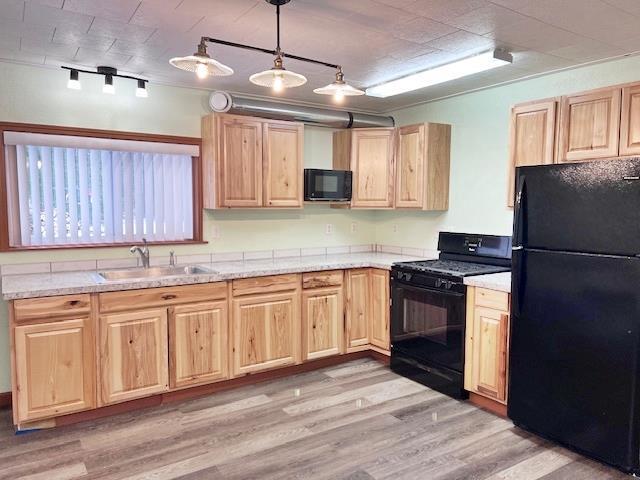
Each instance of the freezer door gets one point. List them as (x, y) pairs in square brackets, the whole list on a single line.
[(591, 207), (573, 367)]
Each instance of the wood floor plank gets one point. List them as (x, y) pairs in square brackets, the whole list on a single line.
[(355, 421)]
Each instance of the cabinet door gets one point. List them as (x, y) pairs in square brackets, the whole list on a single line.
[(282, 166), (589, 126), (630, 121), (55, 368), (198, 343), (266, 331), (240, 162), (490, 352), (133, 354), (357, 309), (322, 322), (532, 138), (372, 166), (410, 164), (380, 309)]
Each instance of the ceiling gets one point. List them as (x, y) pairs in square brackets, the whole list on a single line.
[(374, 40)]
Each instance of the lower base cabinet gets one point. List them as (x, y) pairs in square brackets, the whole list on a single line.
[(54, 368), (198, 338), (266, 331), (322, 322), (486, 343), (133, 354), (380, 309)]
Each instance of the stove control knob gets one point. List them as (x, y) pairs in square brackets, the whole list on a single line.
[(438, 283)]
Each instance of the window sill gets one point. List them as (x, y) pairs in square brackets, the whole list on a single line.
[(101, 245)]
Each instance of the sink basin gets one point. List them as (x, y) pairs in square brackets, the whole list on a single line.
[(152, 272)]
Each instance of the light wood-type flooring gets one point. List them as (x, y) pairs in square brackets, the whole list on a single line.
[(355, 421)]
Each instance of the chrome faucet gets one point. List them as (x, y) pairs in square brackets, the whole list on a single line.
[(143, 252)]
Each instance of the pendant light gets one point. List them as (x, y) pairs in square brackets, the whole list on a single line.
[(202, 64), (278, 78), (339, 89)]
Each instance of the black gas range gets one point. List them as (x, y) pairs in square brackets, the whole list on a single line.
[(428, 308)]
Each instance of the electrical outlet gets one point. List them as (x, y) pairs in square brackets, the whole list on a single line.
[(354, 227), (215, 232), (395, 228), (328, 230)]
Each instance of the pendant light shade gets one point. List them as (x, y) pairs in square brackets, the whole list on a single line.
[(202, 64), (339, 89), (278, 78)]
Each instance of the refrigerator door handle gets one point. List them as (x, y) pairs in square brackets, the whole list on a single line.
[(516, 265), (517, 216)]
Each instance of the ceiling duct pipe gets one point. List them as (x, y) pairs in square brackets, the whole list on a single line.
[(223, 102)]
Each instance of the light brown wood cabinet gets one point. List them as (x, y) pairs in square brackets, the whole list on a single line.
[(357, 308), (251, 162), (198, 339), (630, 121), (379, 330), (367, 309), (266, 326), (486, 343), (422, 166), (54, 368), (532, 137), (133, 354), (369, 154), (322, 322), (589, 125)]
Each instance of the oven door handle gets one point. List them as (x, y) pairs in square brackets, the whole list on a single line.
[(430, 290)]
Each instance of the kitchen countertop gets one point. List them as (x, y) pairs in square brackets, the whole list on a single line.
[(66, 283), (492, 281)]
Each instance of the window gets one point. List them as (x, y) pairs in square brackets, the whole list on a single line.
[(81, 190)]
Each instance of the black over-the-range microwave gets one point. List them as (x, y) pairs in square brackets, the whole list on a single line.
[(327, 185)]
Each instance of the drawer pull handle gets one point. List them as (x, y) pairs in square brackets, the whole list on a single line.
[(73, 303), (169, 297)]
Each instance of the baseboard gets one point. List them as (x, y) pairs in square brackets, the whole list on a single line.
[(485, 403), (5, 400)]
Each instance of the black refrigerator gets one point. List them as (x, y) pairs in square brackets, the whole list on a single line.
[(575, 313)]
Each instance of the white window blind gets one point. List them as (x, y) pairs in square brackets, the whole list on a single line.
[(98, 196)]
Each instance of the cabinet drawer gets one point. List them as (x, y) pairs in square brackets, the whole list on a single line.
[(272, 283), (330, 278), (492, 299), (160, 297), (48, 308)]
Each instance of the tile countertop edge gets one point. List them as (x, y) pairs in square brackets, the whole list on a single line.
[(492, 281), (16, 287)]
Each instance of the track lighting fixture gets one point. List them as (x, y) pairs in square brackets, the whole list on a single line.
[(277, 78), (74, 80), (109, 73)]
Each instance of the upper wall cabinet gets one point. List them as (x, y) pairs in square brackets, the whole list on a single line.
[(532, 135), (368, 153), (630, 121), (251, 162), (402, 168), (589, 125), (422, 166)]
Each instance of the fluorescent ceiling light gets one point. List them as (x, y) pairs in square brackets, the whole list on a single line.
[(444, 73)]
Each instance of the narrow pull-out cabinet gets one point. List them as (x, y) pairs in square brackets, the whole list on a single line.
[(532, 142), (133, 354), (54, 368), (358, 309), (322, 322), (589, 125), (198, 343), (422, 166), (379, 331)]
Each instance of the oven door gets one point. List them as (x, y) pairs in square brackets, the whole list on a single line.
[(428, 325)]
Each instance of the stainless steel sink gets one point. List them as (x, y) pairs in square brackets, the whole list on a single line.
[(152, 272)]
